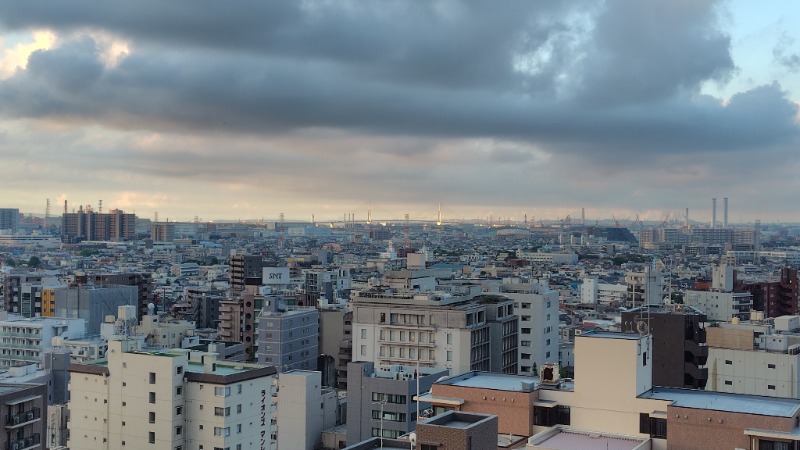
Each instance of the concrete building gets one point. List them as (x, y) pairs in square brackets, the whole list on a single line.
[(93, 303), (23, 293), (305, 409), (536, 306), (649, 287), (237, 321), (721, 306), (9, 220), (446, 330), (87, 225), (23, 406), (593, 292), (162, 231), (141, 280), (25, 340), (335, 345), (380, 399), (778, 297), (288, 337), (168, 400), (246, 270), (680, 352)]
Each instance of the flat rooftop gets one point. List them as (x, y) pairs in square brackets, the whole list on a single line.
[(496, 381), (723, 401), (572, 440), (611, 335)]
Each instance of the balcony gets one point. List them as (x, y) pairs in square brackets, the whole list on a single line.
[(698, 373), (23, 418), (408, 344), (31, 441)]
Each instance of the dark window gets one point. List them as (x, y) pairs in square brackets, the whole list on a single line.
[(152, 398), (151, 437), (563, 415), (655, 427), (776, 445), (152, 417), (152, 378), (728, 362), (770, 366), (771, 387), (644, 358), (559, 415), (728, 382)]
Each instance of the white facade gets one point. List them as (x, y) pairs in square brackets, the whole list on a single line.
[(594, 292), (538, 327), (721, 306), (300, 418), (164, 400), (25, 340), (756, 372)]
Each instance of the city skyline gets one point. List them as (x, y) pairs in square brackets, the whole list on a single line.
[(309, 108)]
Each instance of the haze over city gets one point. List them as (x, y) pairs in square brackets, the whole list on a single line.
[(301, 108)]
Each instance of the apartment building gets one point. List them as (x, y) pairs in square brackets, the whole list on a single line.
[(168, 400), (380, 402), (9, 220), (721, 306), (536, 306), (288, 337), (305, 409), (648, 287), (24, 340), (88, 225), (93, 303), (446, 330), (23, 406)]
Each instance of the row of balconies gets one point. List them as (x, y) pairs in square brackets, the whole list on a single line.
[(25, 443), (18, 419)]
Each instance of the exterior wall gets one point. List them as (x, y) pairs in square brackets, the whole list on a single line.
[(538, 328), (480, 435), (24, 341), (289, 340), (24, 410), (513, 409), (9, 220), (93, 303), (365, 388), (300, 420), (721, 306), (701, 429), (760, 372)]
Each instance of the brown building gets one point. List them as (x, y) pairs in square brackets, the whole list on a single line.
[(87, 225), (246, 270), (237, 322), (143, 282), (23, 406), (777, 298), (680, 352)]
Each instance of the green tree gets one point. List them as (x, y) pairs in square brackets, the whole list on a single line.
[(34, 261), (535, 370)]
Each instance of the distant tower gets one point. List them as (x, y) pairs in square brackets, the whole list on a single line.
[(369, 214), (100, 206), (156, 217), (439, 215), (725, 212), (714, 212), (65, 206), (47, 213), (583, 216), (280, 231), (687, 218), (757, 238)]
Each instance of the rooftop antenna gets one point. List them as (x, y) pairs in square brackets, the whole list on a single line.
[(100, 206), (156, 216), (47, 213), (65, 207)]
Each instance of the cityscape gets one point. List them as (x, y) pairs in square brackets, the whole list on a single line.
[(442, 225)]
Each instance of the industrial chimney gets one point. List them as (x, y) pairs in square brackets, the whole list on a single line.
[(714, 212), (725, 212)]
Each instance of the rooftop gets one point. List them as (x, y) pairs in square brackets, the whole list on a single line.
[(612, 335), (722, 401), (496, 381), (563, 439)]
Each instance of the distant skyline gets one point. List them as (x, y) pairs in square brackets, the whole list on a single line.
[(538, 108)]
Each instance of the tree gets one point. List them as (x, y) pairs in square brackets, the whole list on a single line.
[(34, 262), (214, 261), (535, 370)]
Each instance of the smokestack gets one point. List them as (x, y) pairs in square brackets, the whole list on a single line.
[(725, 212), (583, 216), (65, 206), (714, 212)]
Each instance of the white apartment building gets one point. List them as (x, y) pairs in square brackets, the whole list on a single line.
[(24, 340), (721, 306), (168, 400), (593, 292), (649, 287), (537, 308), (301, 420), (441, 330)]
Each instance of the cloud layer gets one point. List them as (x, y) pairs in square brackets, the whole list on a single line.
[(543, 106)]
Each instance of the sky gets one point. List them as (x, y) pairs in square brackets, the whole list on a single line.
[(196, 108)]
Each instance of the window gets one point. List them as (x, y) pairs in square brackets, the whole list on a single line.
[(238, 409), (152, 378), (220, 431), (771, 387), (178, 410), (449, 338), (152, 397), (770, 366), (178, 430), (764, 444), (238, 388), (151, 437), (558, 415), (151, 417), (363, 333), (179, 370), (222, 411), (728, 383), (222, 391), (728, 362), (363, 350), (644, 358), (179, 390), (239, 428), (449, 355), (654, 426)]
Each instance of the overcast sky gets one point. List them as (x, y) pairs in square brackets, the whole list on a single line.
[(195, 108)]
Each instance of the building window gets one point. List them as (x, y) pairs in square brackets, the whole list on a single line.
[(728, 362), (178, 410), (654, 426), (238, 409), (152, 417), (220, 431), (363, 350), (179, 390), (728, 383), (178, 430), (222, 411), (151, 437), (222, 391), (152, 378), (770, 366), (644, 358), (179, 370), (771, 387), (449, 355), (152, 397), (363, 333)]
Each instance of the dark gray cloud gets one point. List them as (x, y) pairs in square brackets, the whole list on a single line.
[(266, 86)]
